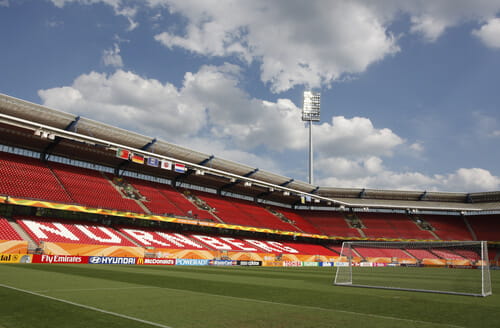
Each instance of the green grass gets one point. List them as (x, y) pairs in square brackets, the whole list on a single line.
[(223, 297)]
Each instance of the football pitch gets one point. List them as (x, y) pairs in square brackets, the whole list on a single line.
[(59, 295)]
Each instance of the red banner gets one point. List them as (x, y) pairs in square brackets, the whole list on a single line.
[(60, 259)]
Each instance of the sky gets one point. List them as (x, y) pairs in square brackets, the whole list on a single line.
[(410, 96)]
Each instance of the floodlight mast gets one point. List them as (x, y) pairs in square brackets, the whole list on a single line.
[(311, 113)]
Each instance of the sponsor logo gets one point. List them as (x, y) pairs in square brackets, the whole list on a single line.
[(250, 263), (292, 263), (310, 264), (9, 258), (155, 261), (326, 264), (57, 259), (191, 262), (221, 262), (341, 264), (111, 260), (15, 258)]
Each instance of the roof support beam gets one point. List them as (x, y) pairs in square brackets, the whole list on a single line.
[(45, 154), (246, 175)]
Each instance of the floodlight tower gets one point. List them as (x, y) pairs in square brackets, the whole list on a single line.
[(311, 113)]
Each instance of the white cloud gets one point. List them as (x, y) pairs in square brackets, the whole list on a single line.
[(4, 3), (127, 100), (371, 173), (489, 33), (354, 137), (311, 43), (473, 179), (111, 57)]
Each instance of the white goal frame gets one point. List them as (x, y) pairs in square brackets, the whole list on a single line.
[(349, 258)]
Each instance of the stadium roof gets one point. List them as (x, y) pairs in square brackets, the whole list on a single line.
[(22, 125)]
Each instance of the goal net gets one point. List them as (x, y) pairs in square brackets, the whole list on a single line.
[(440, 267)]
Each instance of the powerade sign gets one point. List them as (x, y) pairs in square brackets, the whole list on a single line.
[(111, 260), (249, 263), (222, 262), (191, 262)]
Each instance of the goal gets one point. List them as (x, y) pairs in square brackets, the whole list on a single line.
[(460, 268)]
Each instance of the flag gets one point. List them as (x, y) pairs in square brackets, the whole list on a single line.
[(166, 165), (137, 158), (302, 199), (122, 153), (180, 168), (308, 198), (153, 161)]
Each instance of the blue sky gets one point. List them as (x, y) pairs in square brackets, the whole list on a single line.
[(410, 96)]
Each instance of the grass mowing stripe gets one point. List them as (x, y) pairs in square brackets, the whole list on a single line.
[(263, 302), (123, 316)]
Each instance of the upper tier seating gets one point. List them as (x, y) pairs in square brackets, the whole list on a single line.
[(381, 252), (155, 201), (391, 225), (241, 212), (91, 188), (330, 223), (485, 227), (52, 230), (449, 227), (7, 232), (299, 221), (263, 216), (27, 177), (422, 254)]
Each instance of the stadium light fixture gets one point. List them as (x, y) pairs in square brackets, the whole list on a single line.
[(311, 113)]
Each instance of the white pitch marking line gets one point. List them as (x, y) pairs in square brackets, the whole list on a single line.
[(87, 307), (262, 301)]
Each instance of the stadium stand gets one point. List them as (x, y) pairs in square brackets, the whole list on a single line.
[(449, 227), (382, 252), (49, 230), (298, 221), (161, 239), (7, 232), (391, 225), (227, 210), (330, 223), (91, 188), (422, 254), (28, 177), (485, 227)]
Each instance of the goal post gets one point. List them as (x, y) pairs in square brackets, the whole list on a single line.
[(449, 267)]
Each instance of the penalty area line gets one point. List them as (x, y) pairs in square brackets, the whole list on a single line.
[(119, 315)]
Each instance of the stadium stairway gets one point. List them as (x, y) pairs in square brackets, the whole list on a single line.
[(32, 245), (469, 227)]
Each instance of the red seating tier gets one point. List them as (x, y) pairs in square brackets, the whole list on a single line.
[(299, 221), (486, 227), (391, 225), (381, 252), (7, 232), (91, 188), (449, 227), (49, 230), (22, 176), (330, 223)]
